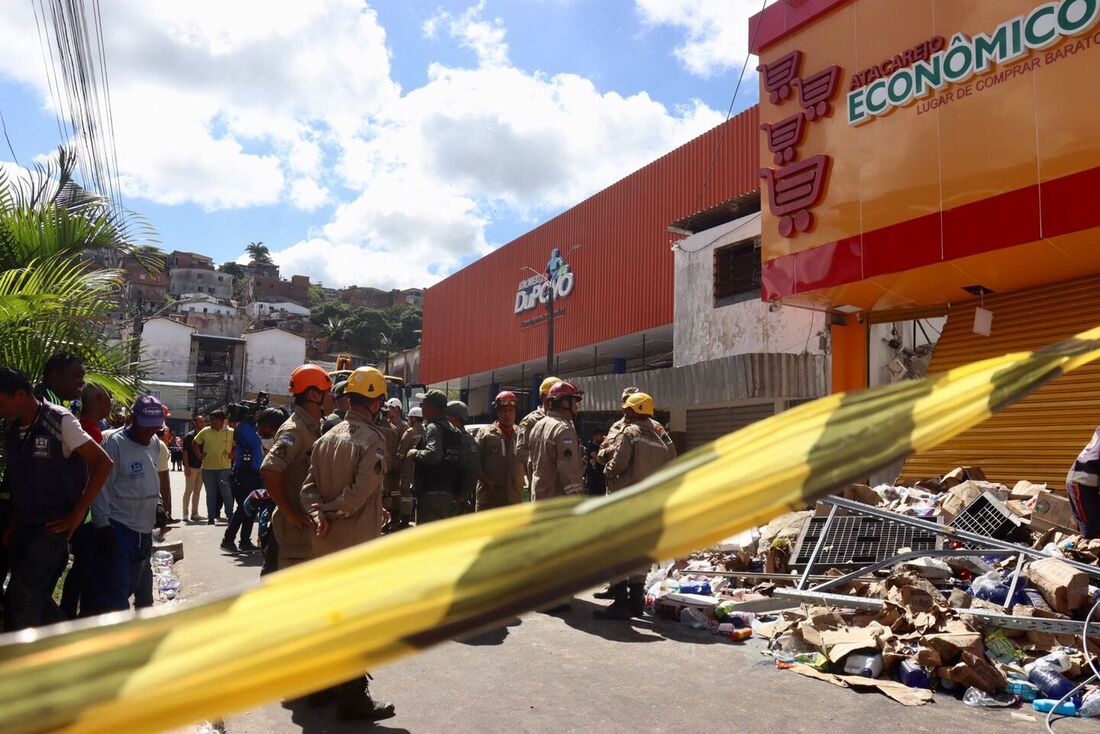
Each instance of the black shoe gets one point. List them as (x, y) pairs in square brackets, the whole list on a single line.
[(228, 546), (605, 594), (247, 546), (210, 521), (355, 702), (620, 608)]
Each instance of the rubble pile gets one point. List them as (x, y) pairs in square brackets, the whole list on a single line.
[(994, 627)]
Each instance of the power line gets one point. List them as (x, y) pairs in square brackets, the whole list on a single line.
[(733, 101)]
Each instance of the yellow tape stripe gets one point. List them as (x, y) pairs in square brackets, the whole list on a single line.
[(327, 620)]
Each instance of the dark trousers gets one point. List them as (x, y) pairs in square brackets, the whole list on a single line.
[(1084, 501), (244, 482), (37, 559), (78, 595), (128, 572)]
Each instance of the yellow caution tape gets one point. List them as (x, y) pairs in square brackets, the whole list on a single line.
[(328, 620)]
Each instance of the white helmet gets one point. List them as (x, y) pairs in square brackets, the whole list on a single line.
[(394, 403), (416, 412)]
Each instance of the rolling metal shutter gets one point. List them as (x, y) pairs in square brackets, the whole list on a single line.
[(706, 424), (1038, 437)]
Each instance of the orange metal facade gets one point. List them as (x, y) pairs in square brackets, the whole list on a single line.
[(623, 266)]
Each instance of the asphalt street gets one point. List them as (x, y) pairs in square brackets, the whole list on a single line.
[(571, 673)]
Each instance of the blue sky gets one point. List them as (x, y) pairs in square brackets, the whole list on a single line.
[(386, 143)]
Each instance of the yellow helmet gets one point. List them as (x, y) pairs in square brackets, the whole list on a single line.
[(549, 382), (368, 382), (640, 403)]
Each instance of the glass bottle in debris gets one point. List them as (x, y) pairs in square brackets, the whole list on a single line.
[(978, 698)]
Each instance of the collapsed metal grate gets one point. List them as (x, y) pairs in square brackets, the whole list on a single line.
[(854, 541), (987, 516)]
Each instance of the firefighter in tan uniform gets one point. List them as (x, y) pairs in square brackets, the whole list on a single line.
[(607, 448), (639, 452), (557, 457), (285, 467), (523, 428), (501, 481), (343, 496)]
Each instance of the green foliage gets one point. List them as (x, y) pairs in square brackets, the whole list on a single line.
[(363, 331), (258, 253), (51, 299)]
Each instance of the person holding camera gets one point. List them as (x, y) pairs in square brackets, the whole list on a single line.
[(249, 455)]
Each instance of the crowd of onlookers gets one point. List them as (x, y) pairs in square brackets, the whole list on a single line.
[(86, 491)]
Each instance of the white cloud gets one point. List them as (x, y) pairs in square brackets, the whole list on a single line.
[(485, 38), (716, 31), (253, 102), (308, 195)]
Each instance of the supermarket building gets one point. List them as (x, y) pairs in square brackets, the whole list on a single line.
[(940, 159)]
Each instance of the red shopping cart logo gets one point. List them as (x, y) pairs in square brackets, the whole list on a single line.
[(779, 74), (793, 190), (816, 90), (784, 137)]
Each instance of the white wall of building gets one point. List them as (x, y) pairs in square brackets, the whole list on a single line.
[(166, 348), (272, 354), (207, 306), (703, 332), (259, 308)]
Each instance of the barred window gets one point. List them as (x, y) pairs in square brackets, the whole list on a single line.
[(737, 273)]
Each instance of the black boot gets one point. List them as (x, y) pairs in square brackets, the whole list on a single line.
[(637, 599), (620, 608), (607, 593), (355, 702)]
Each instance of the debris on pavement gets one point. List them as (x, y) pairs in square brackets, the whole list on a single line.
[(997, 622)]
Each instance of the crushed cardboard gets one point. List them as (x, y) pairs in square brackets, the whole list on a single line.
[(1064, 587), (899, 692)]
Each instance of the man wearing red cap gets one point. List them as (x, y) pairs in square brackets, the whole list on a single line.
[(502, 470)]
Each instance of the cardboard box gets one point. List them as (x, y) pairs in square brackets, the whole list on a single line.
[(1063, 586), (1052, 512)]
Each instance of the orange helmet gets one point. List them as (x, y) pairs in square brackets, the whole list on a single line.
[(307, 376)]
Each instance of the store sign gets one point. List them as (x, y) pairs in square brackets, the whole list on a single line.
[(795, 187), (873, 95), (536, 289)]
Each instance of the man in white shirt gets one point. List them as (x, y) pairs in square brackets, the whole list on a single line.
[(128, 502)]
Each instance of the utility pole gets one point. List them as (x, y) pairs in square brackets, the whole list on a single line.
[(550, 330)]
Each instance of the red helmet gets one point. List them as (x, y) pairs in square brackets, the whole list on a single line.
[(505, 398), (564, 390), (307, 376)]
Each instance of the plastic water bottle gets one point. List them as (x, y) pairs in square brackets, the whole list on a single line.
[(1059, 661), (1044, 705), (978, 698), (912, 674), (693, 618), (1090, 708), (162, 559), (869, 665), (167, 586), (1052, 683)]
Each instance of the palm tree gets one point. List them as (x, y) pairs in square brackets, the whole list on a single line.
[(258, 253), (53, 296)]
